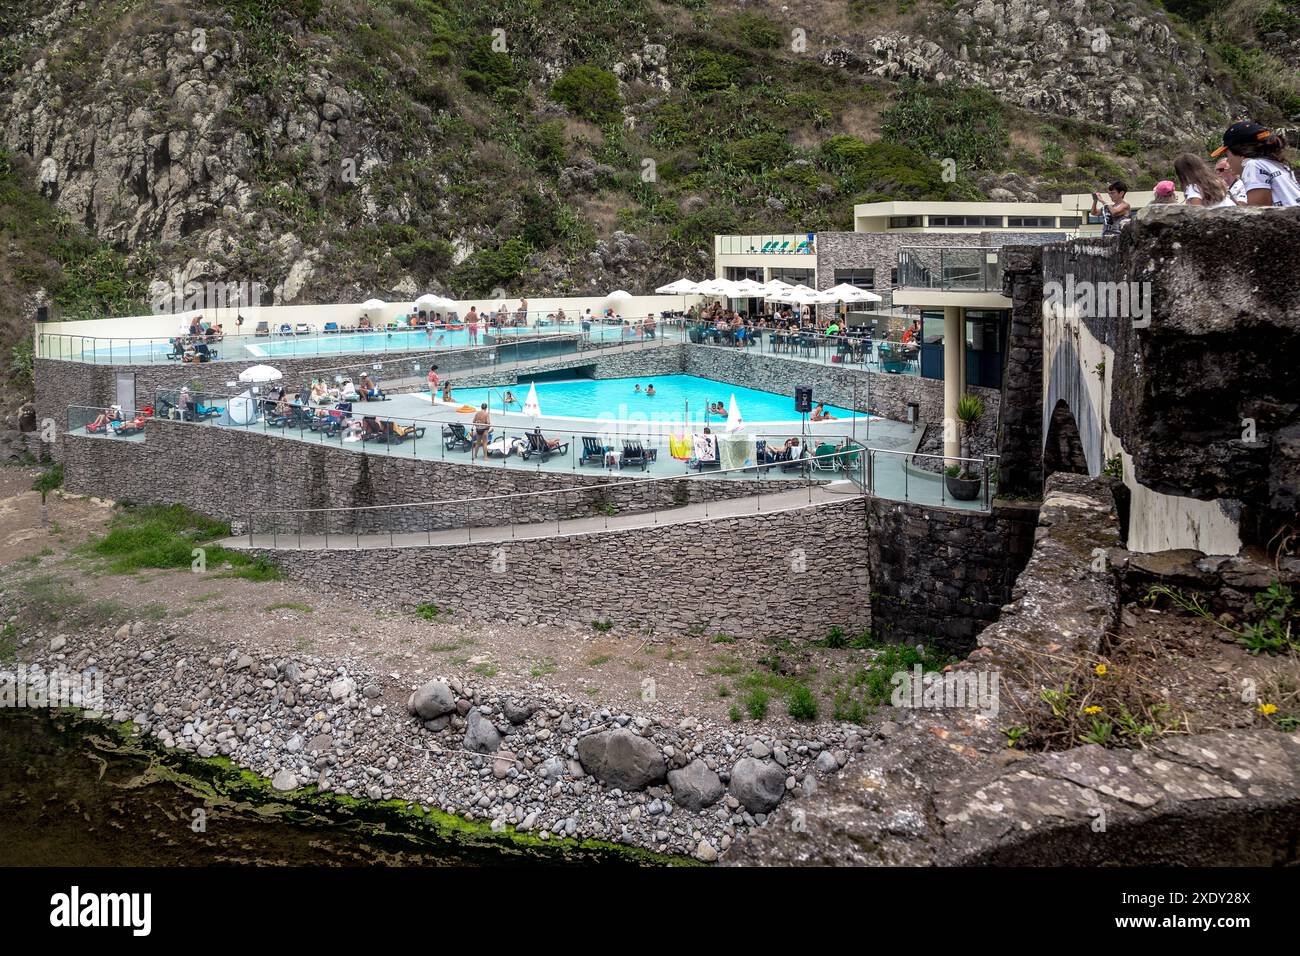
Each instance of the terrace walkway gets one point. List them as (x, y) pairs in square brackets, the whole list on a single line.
[(813, 494)]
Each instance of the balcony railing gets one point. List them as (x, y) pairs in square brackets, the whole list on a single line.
[(771, 244), (972, 269)]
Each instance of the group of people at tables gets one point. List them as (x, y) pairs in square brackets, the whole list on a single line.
[(793, 327)]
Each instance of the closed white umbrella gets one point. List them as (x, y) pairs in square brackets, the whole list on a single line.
[(734, 421), (260, 375), (428, 301), (531, 408), (619, 295), (371, 305)]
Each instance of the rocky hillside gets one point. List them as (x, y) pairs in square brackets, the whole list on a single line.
[(345, 148)]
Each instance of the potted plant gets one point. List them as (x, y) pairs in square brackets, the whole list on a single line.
[(962, 484)]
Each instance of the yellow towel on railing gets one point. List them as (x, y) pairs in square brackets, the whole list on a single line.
[(679, 446)]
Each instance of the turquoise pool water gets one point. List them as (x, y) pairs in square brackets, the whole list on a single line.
[(616, 399), (272, 347)]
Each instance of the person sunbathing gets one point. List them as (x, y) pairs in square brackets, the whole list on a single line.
[(369, 388), (111, 414), (551, 443)]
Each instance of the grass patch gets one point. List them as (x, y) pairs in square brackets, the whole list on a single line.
[(801, 704), (442, 648), (153, 611), (723, 639), (486, 669), (725, 667), (724, 690), (543, 667), (734, 713), (290, 606), (756, 703), (603, 626), (599, 659), (172, 537), (8, 644), (49, 598), (426, 611)]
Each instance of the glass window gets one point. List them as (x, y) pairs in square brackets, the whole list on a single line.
[(932, 326), (794, 276), (893, 278), (1071, 222), (904, 222), (737, 273), (862, 278), (1031, 222)]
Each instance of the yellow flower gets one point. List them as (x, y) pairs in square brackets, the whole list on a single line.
[(1100, 670), (1094, 709), (1268, 709)]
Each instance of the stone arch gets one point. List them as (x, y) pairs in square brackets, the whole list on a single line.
[(1063, 449)]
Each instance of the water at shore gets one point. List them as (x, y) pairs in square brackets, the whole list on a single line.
[(76, 793)]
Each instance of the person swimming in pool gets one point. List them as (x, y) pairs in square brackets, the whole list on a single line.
[(509, 398), (650, 389), (637, 390)]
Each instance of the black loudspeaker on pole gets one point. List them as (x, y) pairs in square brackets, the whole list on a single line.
[(42, 313), (802, 399)]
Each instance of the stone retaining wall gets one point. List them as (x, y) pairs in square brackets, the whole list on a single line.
[(792, 574), (939, 575), (229, 474)]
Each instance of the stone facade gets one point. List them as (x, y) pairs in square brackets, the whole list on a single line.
[(939, 575), (231, 474), (662, 580), (1020, 426)]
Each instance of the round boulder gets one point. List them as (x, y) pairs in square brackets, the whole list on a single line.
[(757, 784), (619, 758), (481, 736), (432, 700), (695, 786)]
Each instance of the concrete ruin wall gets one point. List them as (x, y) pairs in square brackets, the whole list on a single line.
[(940, 787), (1177, 398), (939, 575)]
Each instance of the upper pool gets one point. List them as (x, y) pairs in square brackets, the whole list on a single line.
[(246, 347), (676, 398)]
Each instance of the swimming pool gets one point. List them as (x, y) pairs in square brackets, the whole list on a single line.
[(288, 346), (677, 398)]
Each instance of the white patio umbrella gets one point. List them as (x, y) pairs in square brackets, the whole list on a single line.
[(774, 287), (723, 287), (531, 408), (619, 295), (851, 293), (371, 305), (748, 287), (734, 421), (428, 301), (680, 287), (260, 375)]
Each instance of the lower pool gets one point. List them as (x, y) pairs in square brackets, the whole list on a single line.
[(676, 398)]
